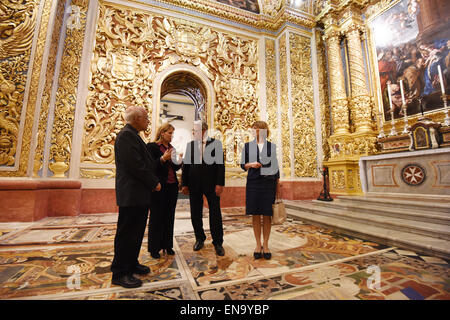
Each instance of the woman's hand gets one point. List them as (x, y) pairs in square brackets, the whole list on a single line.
[(167, 155), (254, 165)]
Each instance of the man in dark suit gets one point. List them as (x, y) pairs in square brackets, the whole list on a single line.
[(204, 174), (135, 181)]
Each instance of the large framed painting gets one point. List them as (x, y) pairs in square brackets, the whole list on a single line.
[(412, 42)]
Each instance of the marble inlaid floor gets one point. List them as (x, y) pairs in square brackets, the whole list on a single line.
[(68, 258)]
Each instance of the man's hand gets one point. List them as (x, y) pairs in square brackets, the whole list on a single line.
[(185, 190), (158, 187), (219, 190)]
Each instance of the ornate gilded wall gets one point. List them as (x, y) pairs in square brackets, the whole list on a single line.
[(18, 24), (303, 118), (43, 86), (127, 57)]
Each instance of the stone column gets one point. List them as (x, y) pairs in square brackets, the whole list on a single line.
[(360, 103), (339, 102)]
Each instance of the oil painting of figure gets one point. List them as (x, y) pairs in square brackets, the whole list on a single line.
[(412, 38)]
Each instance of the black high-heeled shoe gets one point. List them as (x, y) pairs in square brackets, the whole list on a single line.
[(258, 255), (267, 255)]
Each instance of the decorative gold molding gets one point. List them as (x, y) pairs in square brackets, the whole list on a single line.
[(128, 57), (304, 135), (284, 92), (325, 115), (275, 13), (45, 100), (61, 137), (15, 51)]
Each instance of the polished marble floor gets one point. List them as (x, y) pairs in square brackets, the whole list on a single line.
[(68, 258)]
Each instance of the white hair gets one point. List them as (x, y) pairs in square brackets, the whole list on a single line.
[(132, 112)]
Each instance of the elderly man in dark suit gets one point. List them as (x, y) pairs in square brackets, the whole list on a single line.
[(135, 181), (204, 174)]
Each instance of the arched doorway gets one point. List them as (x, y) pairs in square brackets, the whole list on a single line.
[(182, 94)]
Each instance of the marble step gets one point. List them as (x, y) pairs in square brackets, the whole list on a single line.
[(415, 242), (419, 203), (388, 211), (441, 231)]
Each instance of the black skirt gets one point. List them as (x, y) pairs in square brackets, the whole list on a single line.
[(260, 195)]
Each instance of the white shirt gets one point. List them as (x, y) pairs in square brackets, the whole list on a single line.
[(260, 147)]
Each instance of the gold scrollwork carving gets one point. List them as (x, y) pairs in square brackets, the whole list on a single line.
[(305, 155), (97, 173), (45, 101), (325, 115), (338, 179), (285, 127), (61, 137), (128, 56), (271, 85), (17, 26)]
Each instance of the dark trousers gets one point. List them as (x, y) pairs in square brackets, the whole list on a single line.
[(215, 216), (128, 240), (162, 218)]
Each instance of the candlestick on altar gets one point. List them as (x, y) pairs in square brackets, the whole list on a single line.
[(401, 91), (447, 117), (393, 132), (381, 134), (441, 80), (405, 120)]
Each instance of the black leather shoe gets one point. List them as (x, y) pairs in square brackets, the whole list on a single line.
[(127, 281), (141, 269), (219, 250), (170, 252), (155, 255), (198, 245)]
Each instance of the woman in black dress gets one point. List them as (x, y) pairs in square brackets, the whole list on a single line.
[(162, 210), (259, 157)]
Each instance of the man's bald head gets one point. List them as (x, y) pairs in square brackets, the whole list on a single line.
[(137, 117)]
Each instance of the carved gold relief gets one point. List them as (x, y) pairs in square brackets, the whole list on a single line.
[(352, 146), (97, 173), (45, 101), (275, 13), (284, 127), (271, 86), (325, 115), (61, 137), (338, 179), (128, 56), (17, 25), (305, 155)]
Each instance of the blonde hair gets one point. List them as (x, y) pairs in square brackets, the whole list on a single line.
[(261, 125), (162, 129)]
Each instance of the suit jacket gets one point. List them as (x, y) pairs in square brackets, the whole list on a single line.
[(135, 177), (162, 169), (203, 173), (267, 157)]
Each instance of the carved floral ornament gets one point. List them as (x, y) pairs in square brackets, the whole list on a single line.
[(132, 47), (17, 24)]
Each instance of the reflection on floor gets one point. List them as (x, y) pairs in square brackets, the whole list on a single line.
[(69, 258)]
